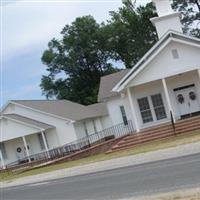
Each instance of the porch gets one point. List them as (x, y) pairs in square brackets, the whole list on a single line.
[(169, 99), (21, 138), (22, 149)]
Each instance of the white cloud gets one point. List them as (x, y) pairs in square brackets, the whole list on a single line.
[(23, 92), (26, 24)]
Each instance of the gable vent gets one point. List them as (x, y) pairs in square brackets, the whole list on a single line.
[(175, 54)]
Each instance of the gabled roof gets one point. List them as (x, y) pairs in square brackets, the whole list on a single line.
[(28, 121), (108, 82), (169, 36), (64, 108)]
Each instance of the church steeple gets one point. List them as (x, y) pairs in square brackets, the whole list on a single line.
[(167, 19), (163, 7)]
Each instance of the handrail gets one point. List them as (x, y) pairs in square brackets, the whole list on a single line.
[(172, 122)]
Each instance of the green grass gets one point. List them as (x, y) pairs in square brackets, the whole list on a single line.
[(151, 146)]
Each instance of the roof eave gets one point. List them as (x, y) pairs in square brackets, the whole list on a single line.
[(121, 85), (27, 124), (4, 107)]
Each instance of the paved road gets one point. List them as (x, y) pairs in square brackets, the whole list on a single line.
[(151, 178)]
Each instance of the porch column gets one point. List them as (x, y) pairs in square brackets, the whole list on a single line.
[(45, 143), (2, 160), (168, 98), (133, 112), (26, 148), (198, 70)]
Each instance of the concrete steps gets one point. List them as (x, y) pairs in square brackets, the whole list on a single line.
[(157, 133)]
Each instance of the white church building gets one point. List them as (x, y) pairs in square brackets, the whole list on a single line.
[(163, 85)]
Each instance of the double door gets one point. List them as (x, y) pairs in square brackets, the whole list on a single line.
[(187, 101)]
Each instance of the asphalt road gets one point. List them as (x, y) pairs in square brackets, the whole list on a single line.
[(146, 179)]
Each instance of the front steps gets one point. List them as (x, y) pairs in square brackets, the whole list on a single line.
[(156, 133)]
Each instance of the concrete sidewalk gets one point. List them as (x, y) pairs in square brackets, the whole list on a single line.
[(179, 151), (189, 194)]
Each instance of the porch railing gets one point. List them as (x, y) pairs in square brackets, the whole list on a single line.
[(80, 144)]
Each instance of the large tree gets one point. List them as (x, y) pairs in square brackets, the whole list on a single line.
[(76, 62), (190, 10), (131, 34)]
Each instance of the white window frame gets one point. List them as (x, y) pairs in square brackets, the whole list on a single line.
[(123, 115), (154, 112), (152, 108)]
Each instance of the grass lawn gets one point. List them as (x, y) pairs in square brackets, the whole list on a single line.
[(151, 146)]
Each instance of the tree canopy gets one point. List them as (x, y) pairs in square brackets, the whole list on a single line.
[(80, 56), (131, 33), (190, 10)]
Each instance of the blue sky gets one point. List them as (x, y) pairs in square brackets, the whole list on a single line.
[(27, 26)]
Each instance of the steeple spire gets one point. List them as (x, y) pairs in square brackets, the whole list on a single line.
[(167, 19), (163, 7)]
